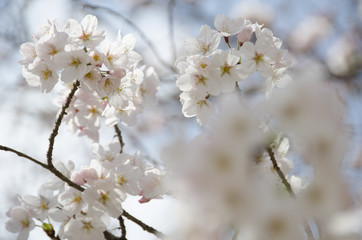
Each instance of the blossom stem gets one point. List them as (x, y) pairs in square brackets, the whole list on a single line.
[(288, 187), (20, 154), (123, 228), (58, 122), (280, 173), (51, 168), (143, 225), (119, 135)]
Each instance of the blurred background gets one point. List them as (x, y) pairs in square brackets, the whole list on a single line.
[(327, 33)]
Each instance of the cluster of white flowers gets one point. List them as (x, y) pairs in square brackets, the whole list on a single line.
[(84, 215), (208, 71), (235, 185), (112, 86), (237, 176)]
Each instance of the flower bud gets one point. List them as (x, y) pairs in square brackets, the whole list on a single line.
[(245, 34), (118, 73)]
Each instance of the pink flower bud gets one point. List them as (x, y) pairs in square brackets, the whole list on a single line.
[(245, 34), (118, 73), (84, 175)]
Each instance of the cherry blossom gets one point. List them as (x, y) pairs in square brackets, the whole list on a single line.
[(43, 74), (207, 41), (85, 33), (227, 26), (20, 222)]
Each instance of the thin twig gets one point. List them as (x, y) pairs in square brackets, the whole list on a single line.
[(52, 169), (280, 173), (110, 236), (123, 228), (58, 122), (143, 225), (119, 135), (137, 29), (308, 231), (20, 154), (288, 187), (171, 5)]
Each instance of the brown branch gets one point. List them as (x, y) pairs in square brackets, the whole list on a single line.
[(51, 168), (20, 154), (288, 187), (110, 236), (143, 225), (280, 173), (137, 29), (58, 122), (123, 228), (119, 135)]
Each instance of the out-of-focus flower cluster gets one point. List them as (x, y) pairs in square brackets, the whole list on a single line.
[(226, 175), (112, 86)]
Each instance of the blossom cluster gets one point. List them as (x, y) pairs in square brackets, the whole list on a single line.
[(111, 84), (85, 214), (237, 176), (234, 186), (242, 183), (209, 71)]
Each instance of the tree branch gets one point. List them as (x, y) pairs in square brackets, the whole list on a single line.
[(119, 135), (58, 122), (143, 225), (280, 173), (51, 168), (20, 154), (123, 228), (288, 187)]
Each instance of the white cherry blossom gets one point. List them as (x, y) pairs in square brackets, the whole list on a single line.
[(229, 71), (195, 103), (28, 52), (51, 44), (75, 63), (43, 74), (279, 79), (103, 197), (258, 57), (227, 26), (40, 205), (85, 33), (207, 41), (72, 200), (20, 222), (127, 177), (89, 227)]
